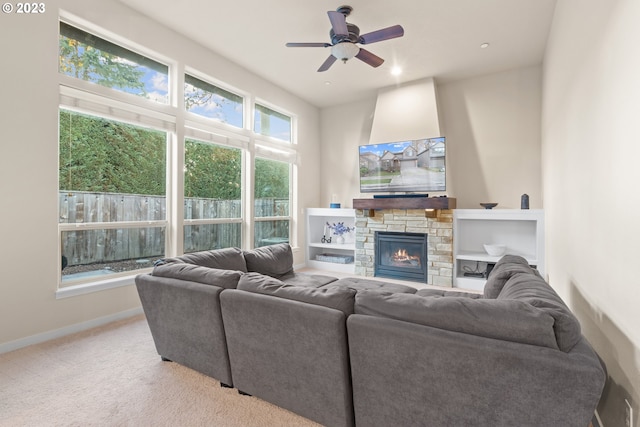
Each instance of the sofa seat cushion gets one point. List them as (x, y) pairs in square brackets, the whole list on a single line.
[(224, 259), (441, 293), (227, 279), (342, 299), (303, 279), (508, 320), (533, 290), (359, 284), (273, 260)]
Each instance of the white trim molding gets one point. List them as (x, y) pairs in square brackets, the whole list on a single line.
[(68, 330)]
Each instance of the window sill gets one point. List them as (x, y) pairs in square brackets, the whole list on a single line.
[(102, 285)]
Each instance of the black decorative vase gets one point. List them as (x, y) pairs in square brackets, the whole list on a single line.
[(524, 201)]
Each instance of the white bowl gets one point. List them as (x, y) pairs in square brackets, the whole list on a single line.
[(495, 250)]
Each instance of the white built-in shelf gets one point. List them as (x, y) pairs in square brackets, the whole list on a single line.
[(521, 230), (316, 220), (345, 246), (484, 257)]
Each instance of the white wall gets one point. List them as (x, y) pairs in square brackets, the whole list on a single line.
[(343, 128), (591, 149), (492, 126), (29, 166)]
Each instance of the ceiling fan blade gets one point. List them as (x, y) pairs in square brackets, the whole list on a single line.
[(383, 34), (308, 44), (338, 23), (328, 63), (368, 57)]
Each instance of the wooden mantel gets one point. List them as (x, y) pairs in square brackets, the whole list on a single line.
[(426, 203)]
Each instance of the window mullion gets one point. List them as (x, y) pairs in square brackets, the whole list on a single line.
[(248, 178)]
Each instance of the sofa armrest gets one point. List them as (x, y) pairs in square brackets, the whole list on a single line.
[(452, 378), (186, 323)]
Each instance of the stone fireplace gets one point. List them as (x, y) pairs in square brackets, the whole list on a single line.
[(439, 231)]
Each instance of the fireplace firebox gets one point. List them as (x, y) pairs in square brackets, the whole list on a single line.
[(401, 256)]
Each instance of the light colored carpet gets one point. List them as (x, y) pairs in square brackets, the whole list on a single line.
[(112, 376)]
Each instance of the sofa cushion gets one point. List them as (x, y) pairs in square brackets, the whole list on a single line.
[(227, 279), (273, 260), (359, 284), (532, 289), (224, 259), (504, 269), (336, 298), (303, 279), (508, 320), (441, 293)]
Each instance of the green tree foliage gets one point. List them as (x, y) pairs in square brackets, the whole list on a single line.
[(103, 155), (212, 171), (87, 62), (108, 156), (272, 179)]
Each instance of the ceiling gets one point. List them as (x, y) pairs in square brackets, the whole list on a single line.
[(442, 39)]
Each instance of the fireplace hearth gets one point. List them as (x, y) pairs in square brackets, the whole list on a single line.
[(401, 256)]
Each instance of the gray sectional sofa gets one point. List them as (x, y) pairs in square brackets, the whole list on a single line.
[(363, 352)]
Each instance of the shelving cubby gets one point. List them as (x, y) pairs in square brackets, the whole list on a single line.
[(316, 226), (522, 231)]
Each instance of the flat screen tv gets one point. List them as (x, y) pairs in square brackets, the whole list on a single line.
[(404, 166)]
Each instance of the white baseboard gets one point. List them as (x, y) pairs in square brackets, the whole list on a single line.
[(67, 330)]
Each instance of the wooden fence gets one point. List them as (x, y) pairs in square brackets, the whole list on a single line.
[(106, 245)]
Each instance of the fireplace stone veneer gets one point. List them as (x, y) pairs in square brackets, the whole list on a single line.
[(439, 244)]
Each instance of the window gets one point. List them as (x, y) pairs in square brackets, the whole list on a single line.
[(270, 123), (90, 58), (271, 202), (213, 102), (125, 197), (112, 195), (212, 196)]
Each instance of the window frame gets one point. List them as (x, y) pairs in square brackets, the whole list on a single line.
[(215, 221), (90, 98), (275, 109), (219, 85)]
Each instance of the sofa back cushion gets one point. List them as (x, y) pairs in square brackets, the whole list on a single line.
[(504, 269), (227, 279), (224, 259), (508, 320), (273, 260), (533, 290), (336, 298)]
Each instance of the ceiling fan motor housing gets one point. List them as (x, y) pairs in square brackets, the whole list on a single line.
[(353, 37)]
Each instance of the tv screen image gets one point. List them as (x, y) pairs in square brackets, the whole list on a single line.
[(409, 166)]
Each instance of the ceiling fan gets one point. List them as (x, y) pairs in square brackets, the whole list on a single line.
[(344, 37)]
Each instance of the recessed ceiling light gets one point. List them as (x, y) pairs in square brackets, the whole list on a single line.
[(484, 45), (327, 83), (396, 71)]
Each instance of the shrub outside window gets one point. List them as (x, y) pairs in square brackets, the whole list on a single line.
[(212, 196), (271, 202), (112, 195)]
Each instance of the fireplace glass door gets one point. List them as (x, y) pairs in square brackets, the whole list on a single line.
[(401, 256)]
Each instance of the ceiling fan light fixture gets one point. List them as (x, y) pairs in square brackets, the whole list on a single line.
[(344, 51)]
